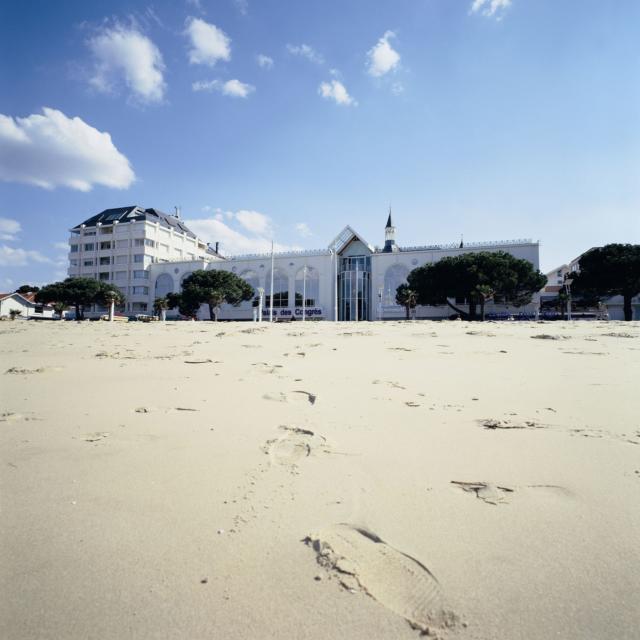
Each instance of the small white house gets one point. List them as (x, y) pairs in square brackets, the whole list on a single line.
[(25, 304)]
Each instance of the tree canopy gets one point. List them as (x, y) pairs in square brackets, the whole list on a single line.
[(213, 288), (79, 292), (612, 270), (27, 288), (476, 277)]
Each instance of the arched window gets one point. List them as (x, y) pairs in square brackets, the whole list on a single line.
[(394, 276), (309, 285), (280, 289), (164, 285), (184, 277), (252, 278)]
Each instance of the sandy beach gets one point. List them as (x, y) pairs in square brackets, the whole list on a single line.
[(320, 480)]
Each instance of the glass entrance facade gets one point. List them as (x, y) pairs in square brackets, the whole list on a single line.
[(354, 288)]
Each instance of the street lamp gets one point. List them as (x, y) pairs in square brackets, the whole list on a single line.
[(380, 292), (567, 288)]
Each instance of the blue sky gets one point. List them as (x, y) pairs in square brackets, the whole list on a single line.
[(496, 119)]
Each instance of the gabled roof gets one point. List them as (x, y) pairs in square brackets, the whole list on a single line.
[(345, 237), (27, 297), (389, 223)]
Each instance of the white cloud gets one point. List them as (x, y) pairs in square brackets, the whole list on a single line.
[(335, 90), (228, 228), (490, 8), (237, 89), (197, 4), (9, 228), (397, 88), (233, 88), (52, 150), (305, 51), (208, 43), (10, 257), (61, 246), (383, 57), (255, 222), (264, 61), (303, 229), (125, 54)]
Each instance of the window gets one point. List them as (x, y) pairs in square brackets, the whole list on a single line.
[(179, 252), (394, 276), (87, 263), (309, 285), (73, 248), (106, 230), (90, 233), (104, 275), (89, 246), (105, 245), (138, 242), (121, 275), (73, 263), (141, 275), (559, 273), (164, 248), (140, 290), (190, 256), (164, 285), (122, 244), (138, 257), (122, 259), (252, 278), (39, 309), (106, 260), (280, 289), (139, 306), (149, 243)]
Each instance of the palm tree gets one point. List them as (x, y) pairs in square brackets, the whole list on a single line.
[(59, 308), (406, 297), (160, 306)]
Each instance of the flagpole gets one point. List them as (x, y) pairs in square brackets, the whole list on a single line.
[(304, 292), (271, 300)]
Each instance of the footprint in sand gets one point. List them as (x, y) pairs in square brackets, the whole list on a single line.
[(295, 445), (23, 372), (485, 491), (495, 494), (279, 396), (362, 560)]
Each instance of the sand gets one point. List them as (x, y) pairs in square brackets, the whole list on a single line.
[(361, 480)]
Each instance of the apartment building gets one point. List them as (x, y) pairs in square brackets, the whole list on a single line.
[(119, 245)]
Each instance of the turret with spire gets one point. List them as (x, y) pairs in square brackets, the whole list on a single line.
[(389, 236)]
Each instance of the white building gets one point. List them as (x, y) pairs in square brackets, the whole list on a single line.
[(350, 278), (25, 304), (148, 254), (120, 245)]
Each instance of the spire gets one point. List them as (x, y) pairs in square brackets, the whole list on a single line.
[(389, 236), (461, 241), (389, 223)]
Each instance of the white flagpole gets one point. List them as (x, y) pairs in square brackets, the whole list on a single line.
[(271, 301), (304, 292), (335, 283), (357, 292)]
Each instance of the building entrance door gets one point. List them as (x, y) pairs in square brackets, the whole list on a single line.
[(354, 288)]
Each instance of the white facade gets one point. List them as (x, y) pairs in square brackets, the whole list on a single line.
[(120, 245), (27, 307), (331, 277)]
